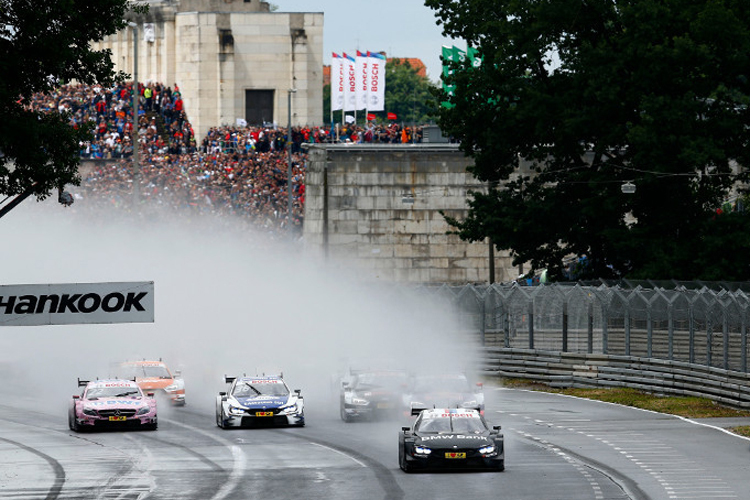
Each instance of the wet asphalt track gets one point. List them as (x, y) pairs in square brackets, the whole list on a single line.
[(557, 448)]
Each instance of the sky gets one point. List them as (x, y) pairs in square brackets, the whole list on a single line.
[(401, 28)]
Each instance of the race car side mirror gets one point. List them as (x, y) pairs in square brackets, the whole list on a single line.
[(150, 394), (76, 396), (298, 392), (222, 394), (405, 428), (345, 385), (496, 427)]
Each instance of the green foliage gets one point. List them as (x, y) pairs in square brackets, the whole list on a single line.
[(407, 94), (326, 102), (45, 44), (686, 406), (594, 94), (412, 97)]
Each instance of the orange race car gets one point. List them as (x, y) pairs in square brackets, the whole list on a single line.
[(156, 377)]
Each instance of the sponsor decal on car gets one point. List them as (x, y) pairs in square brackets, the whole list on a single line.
[(451, 436)]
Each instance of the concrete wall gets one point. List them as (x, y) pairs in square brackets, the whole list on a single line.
[(383, 213), (215, 51)]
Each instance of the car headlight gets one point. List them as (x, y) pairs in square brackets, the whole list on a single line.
[(143, 410), (89, 412), (236, 409), (486, 450), (291, 409), (177, 385), (360, 401), (422, 450)]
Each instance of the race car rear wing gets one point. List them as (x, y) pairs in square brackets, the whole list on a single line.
[(82, 383), (417, 409)]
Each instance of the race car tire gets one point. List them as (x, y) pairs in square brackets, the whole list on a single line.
[(73, 423), (151, 427), (402, 460), (345, 416), (220, 418), (500, 466)]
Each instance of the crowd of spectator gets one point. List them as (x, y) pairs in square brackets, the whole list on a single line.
[(238, 171)]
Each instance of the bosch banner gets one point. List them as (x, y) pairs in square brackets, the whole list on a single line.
[(77, 303)]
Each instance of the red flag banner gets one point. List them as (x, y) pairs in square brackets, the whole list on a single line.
[(370, 116), (392, 116)]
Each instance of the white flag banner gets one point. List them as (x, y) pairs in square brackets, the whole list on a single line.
[(376, 84), (362, 63), (337, 83), (350, 84)]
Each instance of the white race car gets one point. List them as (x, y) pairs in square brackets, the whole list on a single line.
[(259, 401)]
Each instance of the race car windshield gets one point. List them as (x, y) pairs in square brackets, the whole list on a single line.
[(112, 392), (379, 380), (155, 371), (145, 371), (259, 388), (451, 424)]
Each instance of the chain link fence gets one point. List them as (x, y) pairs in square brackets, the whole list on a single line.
[(701, 326)]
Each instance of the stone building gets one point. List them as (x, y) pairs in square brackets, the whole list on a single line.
[(230, 58), (377, 209)]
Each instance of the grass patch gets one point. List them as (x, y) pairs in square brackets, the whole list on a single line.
[(684, 406), (743, 430)]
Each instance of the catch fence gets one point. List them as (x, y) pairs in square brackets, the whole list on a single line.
[(699, 326)]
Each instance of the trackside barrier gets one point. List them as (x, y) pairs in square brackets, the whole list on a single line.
[(704, 327), (565, 369), (680, 341)]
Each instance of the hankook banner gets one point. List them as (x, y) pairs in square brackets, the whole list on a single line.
[(76, 303)]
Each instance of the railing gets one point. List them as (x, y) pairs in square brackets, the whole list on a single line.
[(704, 326), (689, 342)]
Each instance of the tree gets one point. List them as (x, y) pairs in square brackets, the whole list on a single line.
[(45, 44), (592, 95), (407, 94)]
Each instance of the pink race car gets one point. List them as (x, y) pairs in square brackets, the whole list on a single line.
[(113, 404)]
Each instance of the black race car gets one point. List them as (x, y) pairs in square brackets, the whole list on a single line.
[(371, 394), (450, 438)]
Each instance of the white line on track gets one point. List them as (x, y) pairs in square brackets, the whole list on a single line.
[(238, 465), (340, 453)]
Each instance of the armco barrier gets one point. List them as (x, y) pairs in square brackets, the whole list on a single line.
[(569, 369)]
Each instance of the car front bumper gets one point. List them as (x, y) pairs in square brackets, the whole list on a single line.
[(249, 418), (105, 422)]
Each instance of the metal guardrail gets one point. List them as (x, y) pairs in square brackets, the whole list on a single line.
[(704, 326), (561, 369)]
